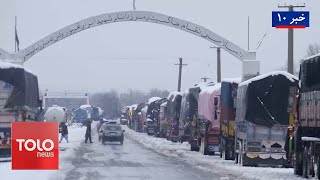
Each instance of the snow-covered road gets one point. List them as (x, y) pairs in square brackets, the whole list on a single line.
[(96, 161), (140, 157), (213, 164)]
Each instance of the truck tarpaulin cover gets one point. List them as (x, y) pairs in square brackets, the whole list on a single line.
[(25, 87), (265, 100), (153, 110), (189, 104)]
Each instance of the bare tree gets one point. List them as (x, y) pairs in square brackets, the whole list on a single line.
[(313, 49)]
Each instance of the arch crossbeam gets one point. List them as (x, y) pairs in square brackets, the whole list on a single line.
[(123, 16)]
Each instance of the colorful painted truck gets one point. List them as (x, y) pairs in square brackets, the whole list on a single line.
[(209, 119), (262, 119), (19, 101), (188, 116), (306, 139), (227, 117), (173, 106)]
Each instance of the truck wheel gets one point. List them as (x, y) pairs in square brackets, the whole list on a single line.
[(194, 148), (305, 163), (318, 168), (298, 164), (236, 158)]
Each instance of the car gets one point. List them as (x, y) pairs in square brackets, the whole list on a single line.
[(111, 132)]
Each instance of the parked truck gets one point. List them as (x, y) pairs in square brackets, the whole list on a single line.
[(188, 117), (305, 141), (153, 114), (79, 116), (163, 119), (19, 101), (137, 120), (227, 117), (262, 119), (173, 105), (208, 124)]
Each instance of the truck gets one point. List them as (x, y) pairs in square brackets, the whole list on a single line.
[(96, 113), (130, 110), (262, 119), (304, 142), (123, 117), (137, 120), (163, 119), (208, 123), (173, 105), (80, 116), (19, 101), (189, 113), (153, 114), (227, 117), (144, 118)]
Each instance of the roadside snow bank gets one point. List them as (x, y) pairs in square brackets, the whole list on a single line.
[(208, 163)]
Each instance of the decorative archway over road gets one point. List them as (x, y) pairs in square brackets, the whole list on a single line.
[(144, 16)]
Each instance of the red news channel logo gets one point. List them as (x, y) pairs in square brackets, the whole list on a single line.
[(35, 146)]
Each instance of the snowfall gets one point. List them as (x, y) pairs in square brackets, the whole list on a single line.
[(158, 145)]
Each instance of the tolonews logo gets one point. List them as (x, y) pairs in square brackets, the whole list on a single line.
[(43, 150), (35, 145)]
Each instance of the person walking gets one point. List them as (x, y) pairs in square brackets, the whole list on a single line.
[(64, 132), (88, 132)]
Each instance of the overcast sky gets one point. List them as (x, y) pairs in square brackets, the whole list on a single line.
[(142, 55)]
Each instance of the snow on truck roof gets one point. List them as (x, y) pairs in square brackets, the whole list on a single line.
[(210, 89), (174, 94), (164, 104), (232, 80), (289, 76), (85, 106), (134, 106), (310, 57), (8, 65), (153, 99)]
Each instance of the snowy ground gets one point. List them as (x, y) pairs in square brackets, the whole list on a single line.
[(76, 135), (209, 163), (141, 157)]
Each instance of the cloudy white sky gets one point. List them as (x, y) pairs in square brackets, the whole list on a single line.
[(141, 55)]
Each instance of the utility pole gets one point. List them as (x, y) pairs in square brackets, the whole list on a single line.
[(290, 38), (205, 79), (248, 33), (218, 63), (180, 71)]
